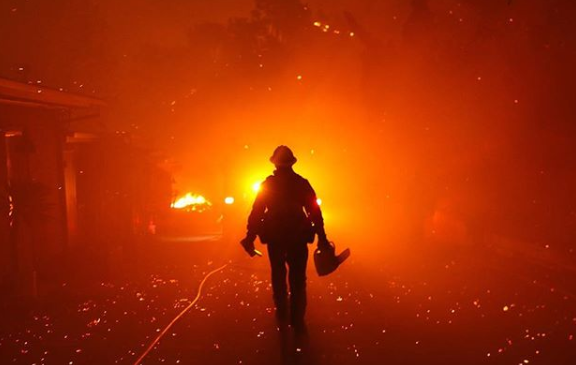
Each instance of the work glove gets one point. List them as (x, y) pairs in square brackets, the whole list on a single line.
[(248, 245), (323, 243)]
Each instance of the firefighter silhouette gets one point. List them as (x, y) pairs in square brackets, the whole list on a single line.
[(286, 217)]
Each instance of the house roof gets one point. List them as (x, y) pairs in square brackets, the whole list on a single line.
[(12, 92)]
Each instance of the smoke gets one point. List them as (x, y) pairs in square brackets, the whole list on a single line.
[(427, 121)]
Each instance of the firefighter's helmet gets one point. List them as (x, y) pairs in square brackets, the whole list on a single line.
[(283, 156)]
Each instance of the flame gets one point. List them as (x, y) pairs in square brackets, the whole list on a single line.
[(256, 186), (190, 201)]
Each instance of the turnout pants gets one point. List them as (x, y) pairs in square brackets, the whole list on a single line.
[(289, 257)]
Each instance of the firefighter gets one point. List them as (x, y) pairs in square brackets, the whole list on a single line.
[(286, 217)]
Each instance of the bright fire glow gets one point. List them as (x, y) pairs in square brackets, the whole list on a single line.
[(319, 201), (189, 200), (229, 200), (256, 186)]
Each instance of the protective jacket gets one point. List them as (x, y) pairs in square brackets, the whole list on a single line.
[(286, 209)]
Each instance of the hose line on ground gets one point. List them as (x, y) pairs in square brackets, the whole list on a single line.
[(163, 332)]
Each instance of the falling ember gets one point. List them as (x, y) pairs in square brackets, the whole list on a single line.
[(229, 200), (11, 210), (190, 201)]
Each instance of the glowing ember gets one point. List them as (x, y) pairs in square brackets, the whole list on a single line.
[(229, 200), (190, 201), (256, 186)]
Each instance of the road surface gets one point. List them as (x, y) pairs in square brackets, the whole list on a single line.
[(430, 308)]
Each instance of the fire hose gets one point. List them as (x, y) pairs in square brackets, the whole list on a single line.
[(167, 328)]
